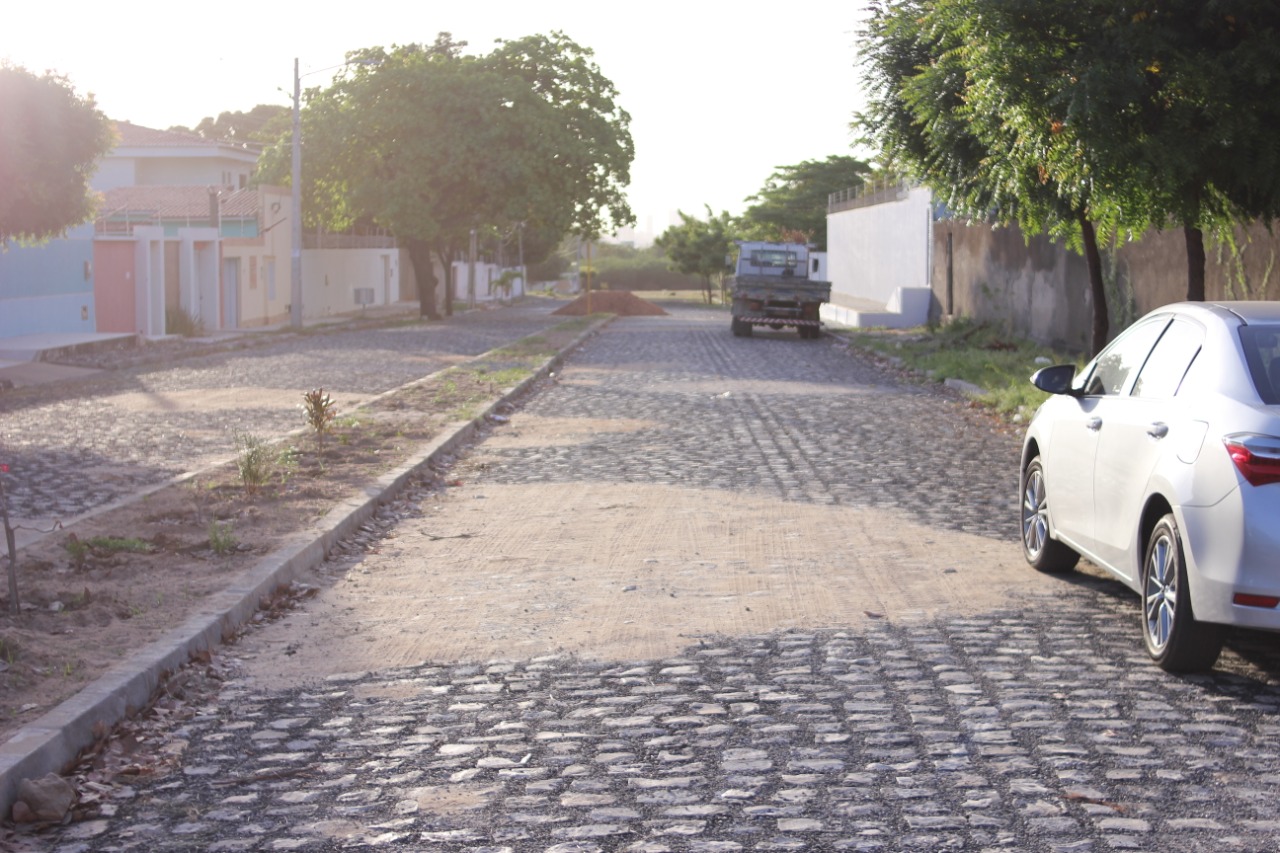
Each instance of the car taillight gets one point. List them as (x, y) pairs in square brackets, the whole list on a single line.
[(1244, 599), (1257, 457)]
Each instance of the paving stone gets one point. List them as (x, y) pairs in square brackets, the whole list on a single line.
[(1044, 730)]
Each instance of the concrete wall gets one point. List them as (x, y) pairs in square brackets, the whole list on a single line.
[(1034, 289), (876, 249), (48, 288), (330, 278), (1040, 290)]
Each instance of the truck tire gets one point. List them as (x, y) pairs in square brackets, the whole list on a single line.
[(740, 328)]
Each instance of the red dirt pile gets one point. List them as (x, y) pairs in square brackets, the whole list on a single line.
[(624, 303)]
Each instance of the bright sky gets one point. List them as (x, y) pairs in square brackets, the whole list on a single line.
[(719, 93)]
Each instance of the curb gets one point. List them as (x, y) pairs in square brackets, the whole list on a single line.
[(52, 743)]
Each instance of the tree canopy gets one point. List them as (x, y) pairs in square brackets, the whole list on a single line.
[(794, 199), (431, 143), (263, 123), (51, 140), (1069, 115)]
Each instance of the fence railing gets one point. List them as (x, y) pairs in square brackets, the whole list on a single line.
[(872, 192)]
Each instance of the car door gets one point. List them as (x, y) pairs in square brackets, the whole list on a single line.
[(1070, 463), (1139, 427)]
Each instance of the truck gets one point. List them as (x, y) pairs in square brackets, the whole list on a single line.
[(771, 287)]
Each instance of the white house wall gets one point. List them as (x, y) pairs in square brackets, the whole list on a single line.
[(330, 278), (873, 251)]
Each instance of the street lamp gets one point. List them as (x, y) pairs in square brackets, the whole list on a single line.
[(295, 263)]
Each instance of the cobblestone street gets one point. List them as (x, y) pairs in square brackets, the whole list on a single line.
[(74, 448), (1022, 728)]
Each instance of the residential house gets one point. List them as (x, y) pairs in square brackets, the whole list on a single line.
[(180, 229)]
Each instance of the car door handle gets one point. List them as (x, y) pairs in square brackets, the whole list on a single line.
[(1158, 430), (1093, 424)]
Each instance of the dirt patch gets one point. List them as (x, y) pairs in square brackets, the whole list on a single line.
[(96, 592), (623, 303)]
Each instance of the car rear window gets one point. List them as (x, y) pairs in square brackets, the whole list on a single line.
[(1262, 352)]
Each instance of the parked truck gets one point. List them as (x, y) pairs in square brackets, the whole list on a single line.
[(771, 287)]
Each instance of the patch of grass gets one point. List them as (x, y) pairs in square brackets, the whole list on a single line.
[(222, 538), (977, 353), (119, 543), (254, 461), (80, 549)]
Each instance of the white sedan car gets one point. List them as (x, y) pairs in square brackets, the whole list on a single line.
[(1160, 462)]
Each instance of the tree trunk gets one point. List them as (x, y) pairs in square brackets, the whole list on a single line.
[(424, 274), (1195, 263), (1097, 287), (445, 253)]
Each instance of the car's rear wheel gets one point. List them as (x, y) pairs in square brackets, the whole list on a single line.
[(1175, 639), (1043, 552)]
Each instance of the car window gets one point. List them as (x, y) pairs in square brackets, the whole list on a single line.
[(1262, 352), (1109, 372), (1169, 361)]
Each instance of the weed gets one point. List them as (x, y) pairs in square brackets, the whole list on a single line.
[(253, 460), (77, 550), (222, 538), (287, 462), (977, 353), (120, 543), (179, 322), (321, 411)]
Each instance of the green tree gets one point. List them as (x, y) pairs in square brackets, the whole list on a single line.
[(582, 175), (51, 140), (263, 123), (700, 247), (958, 103), (794, 198), (430, 144), (1177, 101)]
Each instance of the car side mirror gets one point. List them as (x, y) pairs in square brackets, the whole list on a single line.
[(1056, 379)]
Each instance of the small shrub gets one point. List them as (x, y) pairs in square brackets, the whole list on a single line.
[(321, 411), (254, 462), (222, 538), (178, 322)]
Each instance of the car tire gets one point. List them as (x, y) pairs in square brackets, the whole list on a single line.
[(1043, 552), (1175, 639)]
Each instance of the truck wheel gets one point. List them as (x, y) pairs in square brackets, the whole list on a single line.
[(741, 329)]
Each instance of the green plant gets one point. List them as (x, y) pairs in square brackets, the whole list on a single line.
[(286, 462), (977, 353), (178, 321), (321, 411), (76, 550), (254, 461), (222, 538), (119, 543)]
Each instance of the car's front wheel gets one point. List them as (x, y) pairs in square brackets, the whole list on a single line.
[(1175, 639), (1043, 552)]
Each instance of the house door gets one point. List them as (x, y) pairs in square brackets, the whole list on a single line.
[(113, 285), (230, 293), (386, 279)]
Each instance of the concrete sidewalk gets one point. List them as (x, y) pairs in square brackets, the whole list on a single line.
[(24, 359)]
